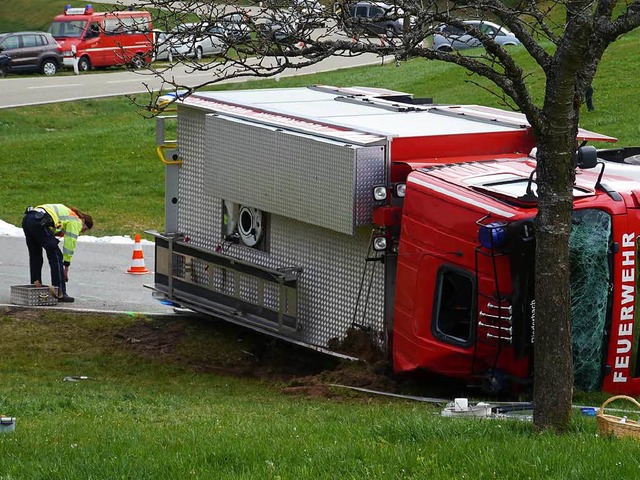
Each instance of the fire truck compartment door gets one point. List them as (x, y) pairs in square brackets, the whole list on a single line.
[(308, 178)]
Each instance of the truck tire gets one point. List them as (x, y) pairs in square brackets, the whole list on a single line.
[(137, 62), (390, 32), (84, 64), (49, 67)]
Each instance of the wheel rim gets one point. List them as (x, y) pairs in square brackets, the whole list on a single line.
[(84, 65), (49, 68), (199, 53)]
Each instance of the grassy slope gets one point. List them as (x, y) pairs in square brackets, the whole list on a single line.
[(160, 406)]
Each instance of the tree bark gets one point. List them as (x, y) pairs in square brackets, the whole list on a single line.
[(553, 367)]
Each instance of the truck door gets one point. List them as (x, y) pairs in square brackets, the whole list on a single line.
[(94, 44)]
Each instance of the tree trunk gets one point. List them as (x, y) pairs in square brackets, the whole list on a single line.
[(553, 368), (553, 362)]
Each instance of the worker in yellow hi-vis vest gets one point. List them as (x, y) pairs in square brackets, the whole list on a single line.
[(41, 225)]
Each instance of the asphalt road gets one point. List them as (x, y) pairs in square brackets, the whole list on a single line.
[(17, 91), (97, 277)]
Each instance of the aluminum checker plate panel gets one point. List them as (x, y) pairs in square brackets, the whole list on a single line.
[(310, 179), (332, 262)]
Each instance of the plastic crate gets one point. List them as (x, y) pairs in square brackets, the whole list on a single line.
[(33, 296)]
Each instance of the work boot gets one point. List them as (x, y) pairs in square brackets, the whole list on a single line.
[(66, 299)]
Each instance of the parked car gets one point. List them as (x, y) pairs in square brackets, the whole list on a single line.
[(373, 17), (194, 40), (309, 12), (271, 31), (232, 29), (237, 25), (160, 45), (31, 51), (449, 38)]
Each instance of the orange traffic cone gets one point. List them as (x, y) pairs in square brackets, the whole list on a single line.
[(137, 263)]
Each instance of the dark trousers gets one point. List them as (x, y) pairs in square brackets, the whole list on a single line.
[(39, 237), (589, 98)]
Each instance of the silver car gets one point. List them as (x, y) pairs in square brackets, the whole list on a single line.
[(449, 38), (194, 40)]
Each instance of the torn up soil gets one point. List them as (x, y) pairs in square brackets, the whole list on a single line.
[(217, 347)]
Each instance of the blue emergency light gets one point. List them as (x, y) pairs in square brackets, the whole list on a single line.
[(493, 235)]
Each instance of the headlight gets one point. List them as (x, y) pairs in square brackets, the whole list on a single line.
[(399, 189), (379, 193), (379, 243)]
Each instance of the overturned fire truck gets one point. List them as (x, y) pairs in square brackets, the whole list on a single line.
[(307, 212)]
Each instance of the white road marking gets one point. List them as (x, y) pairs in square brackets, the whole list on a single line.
[(57, 86)]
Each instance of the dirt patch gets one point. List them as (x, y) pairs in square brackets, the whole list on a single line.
[(218, 347)]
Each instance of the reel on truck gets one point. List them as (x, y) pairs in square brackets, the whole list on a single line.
[(250, 226), (244, 223)]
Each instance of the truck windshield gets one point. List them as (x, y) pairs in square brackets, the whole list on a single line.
[(69, 29), (589, 246)]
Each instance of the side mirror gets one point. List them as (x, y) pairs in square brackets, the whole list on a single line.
[(587, 157)]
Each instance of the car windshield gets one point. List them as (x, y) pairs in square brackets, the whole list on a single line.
[(72, 28)]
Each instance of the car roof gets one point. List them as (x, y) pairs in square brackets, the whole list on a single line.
[(25, 32), (486, 22)]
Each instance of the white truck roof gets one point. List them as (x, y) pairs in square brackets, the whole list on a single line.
[(360, 114)]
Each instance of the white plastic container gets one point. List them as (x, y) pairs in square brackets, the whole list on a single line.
[(7, 424)]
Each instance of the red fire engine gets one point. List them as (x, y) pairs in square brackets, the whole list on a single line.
[(103, 39), (306, 212)]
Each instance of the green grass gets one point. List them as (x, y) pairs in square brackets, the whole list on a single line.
[(99, 155), (152, 414), (163, 410)]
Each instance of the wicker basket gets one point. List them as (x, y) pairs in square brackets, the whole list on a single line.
[(618, 426)]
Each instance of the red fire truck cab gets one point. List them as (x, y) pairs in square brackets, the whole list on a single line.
[(304, 213), (465, 284), (103, 39)]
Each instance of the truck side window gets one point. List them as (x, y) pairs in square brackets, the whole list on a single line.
[(94, 30), (454, 306)]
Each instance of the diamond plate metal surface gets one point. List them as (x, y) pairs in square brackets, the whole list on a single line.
[(332, 262), (311, 179)]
